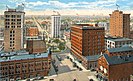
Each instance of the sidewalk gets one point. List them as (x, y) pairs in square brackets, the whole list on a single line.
[(92, 77), (78, 64), (68, 63)]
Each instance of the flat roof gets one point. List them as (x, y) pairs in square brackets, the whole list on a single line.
[(86, 26), (113, 60), (119, 39), (24, 56), (121, 49), (92, 58)]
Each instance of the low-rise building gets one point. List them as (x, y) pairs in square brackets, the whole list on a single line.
[(117, 42), (22, 65), (32, 31), (125, 50), (115, 68), (105, 25), (67, 35), (36, 45), (131, 34), (90, 62)]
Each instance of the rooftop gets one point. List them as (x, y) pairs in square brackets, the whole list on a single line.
[(119, 39), (86, 26), (118, 59), (92, 58), (24, 56), (121, 49)]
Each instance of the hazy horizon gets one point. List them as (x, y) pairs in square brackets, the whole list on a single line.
[(69, 7)]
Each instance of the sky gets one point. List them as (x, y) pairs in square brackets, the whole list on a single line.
[(69, 7)]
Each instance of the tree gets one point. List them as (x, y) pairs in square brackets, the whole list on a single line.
[(61, 46), (56, 41)]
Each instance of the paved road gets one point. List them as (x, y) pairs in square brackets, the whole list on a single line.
[(65, 51), (67, 72), (61, 67), (69, 76)]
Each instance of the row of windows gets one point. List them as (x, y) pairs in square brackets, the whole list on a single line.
[(13, 16), (18, 66), (12, 26), (23, 71)]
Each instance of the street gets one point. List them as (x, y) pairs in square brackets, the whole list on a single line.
[(66, 71)]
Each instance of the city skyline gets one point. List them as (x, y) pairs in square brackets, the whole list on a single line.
[(73, 7)]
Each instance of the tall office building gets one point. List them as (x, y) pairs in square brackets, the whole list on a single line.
[(56, 25), (13, 32), (119, 24), (87, 43)]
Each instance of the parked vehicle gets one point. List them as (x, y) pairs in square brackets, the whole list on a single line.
[(51, 80), (93, 69), (59, 58)]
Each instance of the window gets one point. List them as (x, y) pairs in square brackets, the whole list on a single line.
[(18, 16)]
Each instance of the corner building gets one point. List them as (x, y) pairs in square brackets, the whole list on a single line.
[(115, 68), (87, 41), (22, 66), (13, 32)]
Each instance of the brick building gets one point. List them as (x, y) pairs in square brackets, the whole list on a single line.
[(115, 68), (125, 50), (15, 62), (117, 42), (120, 24), (36, 45), (13, 32), (86, 41), (32, 31), (22, 66), (131, 34)]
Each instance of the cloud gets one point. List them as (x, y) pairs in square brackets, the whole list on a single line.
[(39, 5), (70, 5), (16, 1)]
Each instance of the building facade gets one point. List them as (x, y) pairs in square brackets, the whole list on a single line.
[(55, 26), (115, 68), (32, 31), (13, 32), (120, 24), (125, 50), (117, 42), (105, 25), (131, 34), (86, 41), (36, 46), (23, 66)]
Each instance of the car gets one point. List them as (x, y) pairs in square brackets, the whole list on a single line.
[(40, 78), (74, 80), (51, 80), (80, 69), (91, 80), (28, 79), (59, 58), (67, 57), (74, 65)]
